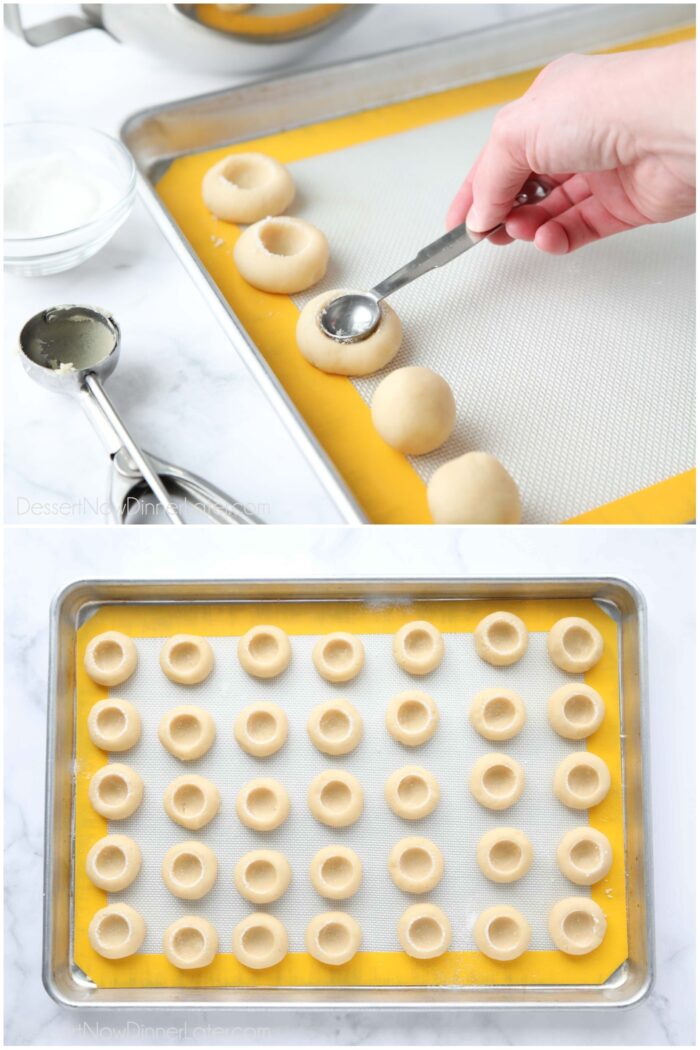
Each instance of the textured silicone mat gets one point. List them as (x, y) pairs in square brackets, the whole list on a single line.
[(456, 825), (577, 372)]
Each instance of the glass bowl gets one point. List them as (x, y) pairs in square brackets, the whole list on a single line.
[(89, 186)]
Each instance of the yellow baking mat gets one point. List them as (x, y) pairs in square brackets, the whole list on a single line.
[(383, 481), (367, 968)]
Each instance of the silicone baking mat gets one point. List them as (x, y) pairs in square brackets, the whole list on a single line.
[(456, 825)]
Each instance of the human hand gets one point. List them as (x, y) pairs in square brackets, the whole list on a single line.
[(615, 133)]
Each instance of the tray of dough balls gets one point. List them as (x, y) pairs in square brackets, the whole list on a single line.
[(349, 794), (494, 388)]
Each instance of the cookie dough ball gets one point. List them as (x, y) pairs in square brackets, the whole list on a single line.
[(339, 657), (416, 865), (497, 714), (504, 854), (117, 931), (190, 943), (336, 798), (413, 409), (424, 931), (187, 732), (261, 728), (113, 863), (412, 792), (115, 791), (189, 870), (111, 658), (584, 856), (262, 804), (412, 718), (501, 639), (336, 872), (264, 651), (574, 644), (191, 801), (581, 780), (335, 727), (347, 359), (577, 925), (474, 489), (497, 781), (114, 725), (187, 659), (575, 711), (281, 255), (246, 187), (260, 941), (333, 938), (418, 647), (262, 876), (502, 933)]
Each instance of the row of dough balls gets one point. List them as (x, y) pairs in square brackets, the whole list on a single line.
[(264, 651), (577, 926)]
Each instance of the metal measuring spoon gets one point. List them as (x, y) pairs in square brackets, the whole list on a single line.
[(352, 317), (71, 350)]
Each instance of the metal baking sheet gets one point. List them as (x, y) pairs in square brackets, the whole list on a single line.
[(78, 602)]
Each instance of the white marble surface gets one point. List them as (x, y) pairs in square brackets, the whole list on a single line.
[(661, 562)]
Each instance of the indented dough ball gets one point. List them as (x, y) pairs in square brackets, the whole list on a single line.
[(474, 489), (281, 255), (347, 359), (246, 187), (413, 409)]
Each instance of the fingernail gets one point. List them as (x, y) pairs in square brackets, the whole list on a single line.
[(474, 220)]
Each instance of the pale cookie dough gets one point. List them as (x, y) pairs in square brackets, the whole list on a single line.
[(187, 732), (577, 925), (336, 872), (114, 725), (418, 647), (187, 659), (474, 489), (412, 718), (497, 781), (111, 658), (502, 933), (262, 876), (117, 931), (189, 870), (264, 651), (113, 863), (261, 728), (260, 941), (501, 639), (190, 943), (335, 727), (416, 865), (413, 409), (424, 931), (115, 791), (333, 938), (191, 801), (412, 792), (575, 645), (584, 855), (497, 714), (575, 711), (336, 798), (262, 804), (504, 854), (246, 187), (339, 657), (581, 780), (347, 359), (282, 255)]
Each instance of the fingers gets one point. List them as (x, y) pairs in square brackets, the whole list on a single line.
[(498, 175), (582, 224), (457, 212)]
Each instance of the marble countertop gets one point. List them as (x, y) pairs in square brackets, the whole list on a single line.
[(659, 561)]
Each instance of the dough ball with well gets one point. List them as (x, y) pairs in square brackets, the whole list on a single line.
[(281, 254), (245, 187), (413, 409), (474, 489), (347, 359)]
